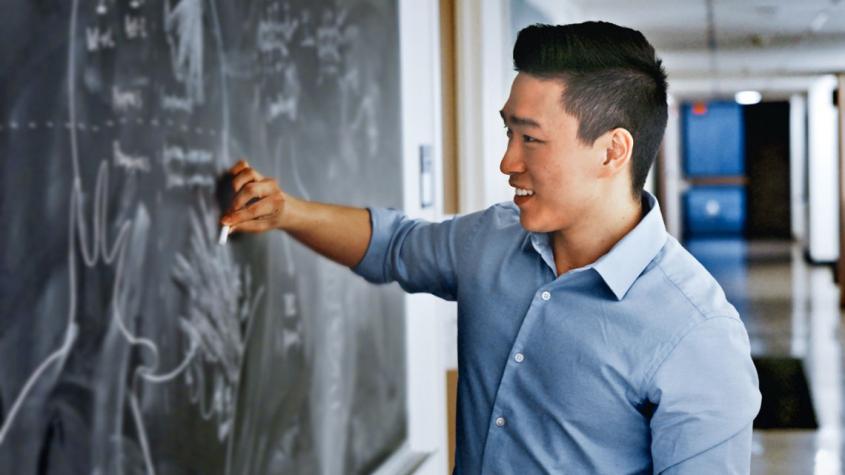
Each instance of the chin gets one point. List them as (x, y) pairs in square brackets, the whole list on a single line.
[(529, 224), (535, 224)]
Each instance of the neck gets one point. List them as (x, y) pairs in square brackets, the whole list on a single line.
[(595, 233)]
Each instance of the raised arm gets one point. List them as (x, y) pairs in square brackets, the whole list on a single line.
[(340, 233), (380, 245)]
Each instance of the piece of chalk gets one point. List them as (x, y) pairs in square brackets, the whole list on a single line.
[(224, 235)]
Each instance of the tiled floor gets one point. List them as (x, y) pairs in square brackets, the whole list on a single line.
[(790, 309)]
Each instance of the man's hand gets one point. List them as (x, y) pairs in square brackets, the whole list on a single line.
[(340, 233), (259, 203)]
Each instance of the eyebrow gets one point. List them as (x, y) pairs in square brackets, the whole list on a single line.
[(522, 121)]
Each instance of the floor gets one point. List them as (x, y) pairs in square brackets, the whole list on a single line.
[(790, 308)]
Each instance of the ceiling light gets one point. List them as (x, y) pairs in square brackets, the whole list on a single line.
[(747, 98), (819, 21)]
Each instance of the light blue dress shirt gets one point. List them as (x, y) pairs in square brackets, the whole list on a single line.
[(633, 364)]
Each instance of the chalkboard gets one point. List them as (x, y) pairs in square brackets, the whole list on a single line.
[(130, 342)]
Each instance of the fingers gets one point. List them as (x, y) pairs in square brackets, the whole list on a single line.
[(265, 208), (253, 190), (237, 167), (255, 226), (245, 176), (258, 202)]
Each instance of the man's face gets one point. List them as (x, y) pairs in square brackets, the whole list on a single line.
[(545, 157)]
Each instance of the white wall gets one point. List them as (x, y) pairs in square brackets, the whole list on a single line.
[(823, 169), (421, 125), (674, 184), (482, 89), (797, 165)]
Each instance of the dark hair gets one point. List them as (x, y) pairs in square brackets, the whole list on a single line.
[(612, 79)]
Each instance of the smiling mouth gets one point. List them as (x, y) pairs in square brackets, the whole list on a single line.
[(524, 192)]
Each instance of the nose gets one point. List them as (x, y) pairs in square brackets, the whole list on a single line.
[(512, 162)]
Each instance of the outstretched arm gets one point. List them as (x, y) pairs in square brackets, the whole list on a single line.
[(340, 233)]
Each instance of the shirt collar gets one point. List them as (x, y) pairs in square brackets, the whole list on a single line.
[(621, 266)]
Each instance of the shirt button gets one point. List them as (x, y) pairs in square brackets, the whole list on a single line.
[(500, 421), (519, 357), (545, 295)]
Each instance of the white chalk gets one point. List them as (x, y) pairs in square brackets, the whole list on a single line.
[(224, 235)]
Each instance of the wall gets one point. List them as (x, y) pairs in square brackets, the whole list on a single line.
[(482, 91), (798, 165), (421, 116), (823, 217)]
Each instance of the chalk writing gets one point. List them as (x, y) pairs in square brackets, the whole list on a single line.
[(188, 167), (135, 26), (125, 99), (274, 34), (97, 39), (282, 106), (130, 163), (177, 103), (290, 304)]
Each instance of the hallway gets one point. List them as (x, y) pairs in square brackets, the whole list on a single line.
[(790, 309)]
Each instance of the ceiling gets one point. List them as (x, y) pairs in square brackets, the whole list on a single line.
[(716, 47)]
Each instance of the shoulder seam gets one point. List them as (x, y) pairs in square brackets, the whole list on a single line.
[(649, 376), (687, 297)]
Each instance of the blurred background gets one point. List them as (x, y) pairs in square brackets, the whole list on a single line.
[(747, 178)]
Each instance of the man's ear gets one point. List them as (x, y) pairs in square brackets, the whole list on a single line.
[(620, 146)]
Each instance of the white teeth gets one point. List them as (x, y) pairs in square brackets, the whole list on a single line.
[(524, 192)]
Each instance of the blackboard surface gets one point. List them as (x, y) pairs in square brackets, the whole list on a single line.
[(130, 342)]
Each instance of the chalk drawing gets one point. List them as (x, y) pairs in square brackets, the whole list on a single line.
[(331, 388), (286, 102), (98, 250), (210, 346), (275, 32), (213, 338), (331, 37), (365, 120), (184, 29), (222, 303)]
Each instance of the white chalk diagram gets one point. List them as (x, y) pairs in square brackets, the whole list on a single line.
[(210, 364), (216, 334), (183, 26), (279, 32), (331, 38)]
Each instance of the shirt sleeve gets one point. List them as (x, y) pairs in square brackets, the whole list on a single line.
[(731, 457), (421, 256), (706, 396)]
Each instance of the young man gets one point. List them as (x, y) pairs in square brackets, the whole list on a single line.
[(589, 340)]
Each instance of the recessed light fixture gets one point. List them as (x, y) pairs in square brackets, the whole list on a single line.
[(747, 98), (819, 20)]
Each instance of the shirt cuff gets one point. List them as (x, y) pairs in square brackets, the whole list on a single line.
[(372, 267)]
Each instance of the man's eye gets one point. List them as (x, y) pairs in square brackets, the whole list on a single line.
[(528, 139)]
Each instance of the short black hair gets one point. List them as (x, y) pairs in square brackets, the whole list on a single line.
[(612, 79)]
